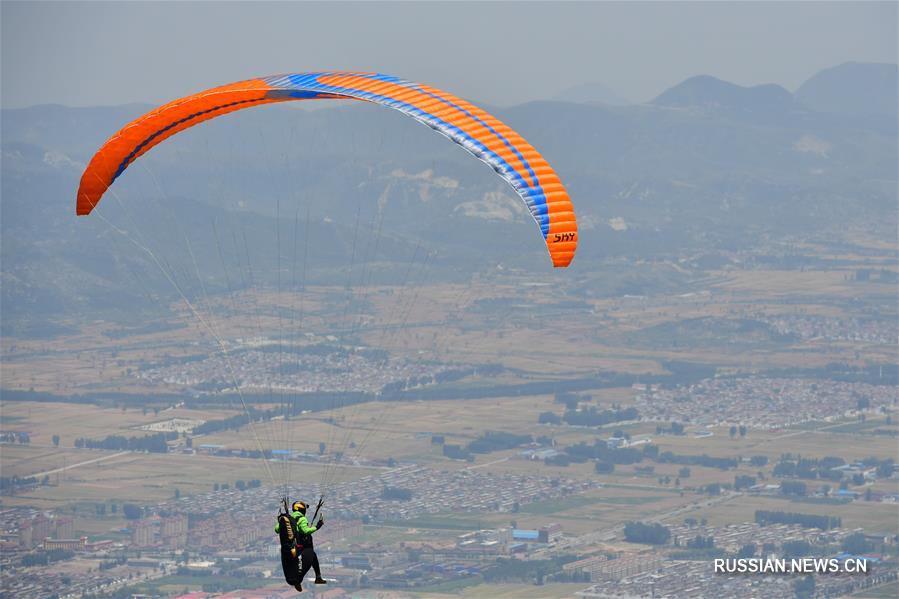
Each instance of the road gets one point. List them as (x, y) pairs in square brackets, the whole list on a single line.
[(486, 464), (85, 463)]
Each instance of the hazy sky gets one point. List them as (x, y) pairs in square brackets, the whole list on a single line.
[(88, 53)]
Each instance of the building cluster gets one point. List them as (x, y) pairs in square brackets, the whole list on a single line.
[(217, 536), (432, 491), (173, 425), (836, 329), (235, 524), (38, 530), (602, 568), (683, 578), (519, 537), (230, 529), (269, 592), (655, 573), (428, 565), (169, 532), (289, 372), (50, 581), (762, 402), (697, 578), (733, 537), (440, 491), (424, 563), (27, 532), (11, 546), (338, 530)]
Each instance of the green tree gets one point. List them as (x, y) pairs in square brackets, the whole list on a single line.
[(604, 468), (796, 548), (856, 543), (804, 587), (651, 534)]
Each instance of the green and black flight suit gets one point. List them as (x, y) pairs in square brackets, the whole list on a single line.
[(305, 545)]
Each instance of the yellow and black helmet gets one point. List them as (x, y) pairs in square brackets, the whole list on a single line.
[(298, 506)]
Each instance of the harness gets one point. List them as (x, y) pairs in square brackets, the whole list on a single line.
[(286, 530), (289, 533), (304, 540)]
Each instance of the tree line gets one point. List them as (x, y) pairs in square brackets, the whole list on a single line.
[(151, 443), (763, 518)]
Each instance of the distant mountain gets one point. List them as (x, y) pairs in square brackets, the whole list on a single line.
[(707, 92), (708, 167), (592, 93), (855, 88)]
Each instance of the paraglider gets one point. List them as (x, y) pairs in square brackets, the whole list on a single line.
[(297, 547), (478, 132)]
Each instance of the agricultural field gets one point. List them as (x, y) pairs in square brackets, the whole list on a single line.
[(485, 321), (880, 517), (452, 326)]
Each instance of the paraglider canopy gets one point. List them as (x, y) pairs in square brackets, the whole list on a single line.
[(480, 133)]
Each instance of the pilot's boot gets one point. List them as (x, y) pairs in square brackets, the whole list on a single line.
[(320, 580), (299, 587)]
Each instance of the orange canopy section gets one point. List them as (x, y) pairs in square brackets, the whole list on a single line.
[(478, 132)]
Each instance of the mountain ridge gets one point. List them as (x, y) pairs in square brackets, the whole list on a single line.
[(646, 181)]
